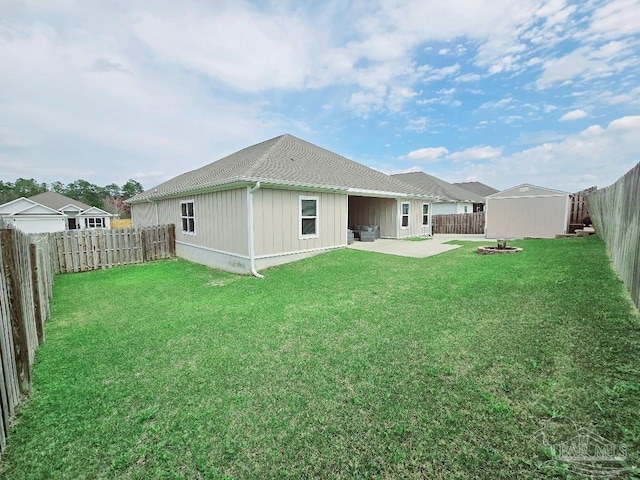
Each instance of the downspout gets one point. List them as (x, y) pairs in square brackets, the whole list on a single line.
[(252, 256)]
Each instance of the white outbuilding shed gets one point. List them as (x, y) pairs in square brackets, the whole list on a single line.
[(527, 211)]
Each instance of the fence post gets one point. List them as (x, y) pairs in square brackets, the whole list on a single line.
[(18, 327), (172, 240), (144, 244), (37, 307)]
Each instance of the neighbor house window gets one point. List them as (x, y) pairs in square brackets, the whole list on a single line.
[(405, 215), (308, 217), (188, 217), (92, 222), (425, 214), (466, 209)]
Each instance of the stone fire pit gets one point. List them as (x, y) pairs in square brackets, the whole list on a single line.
[(501, 247)]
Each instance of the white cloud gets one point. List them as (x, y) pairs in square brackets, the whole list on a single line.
[(505, 64), (460, 49), (443, 51), (586, 149), (245, 49), (587, 62), (427, 155), (468, 77), (435, 74), (88, 109), (481, 152), (506, 102), (570, 164), (398, 96), (617, 18), (573, 115), (363, 103), (631, 96), (418, 124)]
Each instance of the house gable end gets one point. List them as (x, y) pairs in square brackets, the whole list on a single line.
[(16, 206), (38, 209), (95, 212)]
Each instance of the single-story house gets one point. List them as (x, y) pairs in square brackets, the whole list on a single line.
[(453, 199), (527, 211), (80, 216), (31, 217), (51, 212), (478, 188), (278, 201)]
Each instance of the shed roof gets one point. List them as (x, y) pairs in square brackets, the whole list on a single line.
[(477, 187), (431, 185), (285, 160), (528, 190), (56, 200)]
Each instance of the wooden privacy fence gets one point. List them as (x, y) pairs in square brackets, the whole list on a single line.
[(579, 208), (84, 250), (616, 217), (466, 223), (26, 278)]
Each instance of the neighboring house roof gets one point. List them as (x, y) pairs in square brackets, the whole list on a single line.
[(57, 201), (24, 206), (431, 185), (477, 187), (285, 160)]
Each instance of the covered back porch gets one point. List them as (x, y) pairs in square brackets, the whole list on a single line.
[(395, 217)]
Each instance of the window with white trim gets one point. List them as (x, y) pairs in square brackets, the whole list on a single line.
[(405, 215), (308, 217), (94, 222), (425, 214), (187, 214), (466, 209)]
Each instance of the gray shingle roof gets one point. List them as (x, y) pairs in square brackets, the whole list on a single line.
[(56, 200), (477, 187), (284, 160), (431, 185)]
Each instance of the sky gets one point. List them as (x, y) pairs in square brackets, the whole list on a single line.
[(498, 91)]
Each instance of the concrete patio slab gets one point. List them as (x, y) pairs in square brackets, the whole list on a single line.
[(415, 249)]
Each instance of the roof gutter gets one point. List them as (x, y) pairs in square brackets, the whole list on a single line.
[(252, 255), (242, 181)]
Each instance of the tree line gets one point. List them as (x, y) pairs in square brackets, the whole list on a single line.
[(109, 198)]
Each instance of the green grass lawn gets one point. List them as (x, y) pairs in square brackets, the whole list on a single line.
[(347, 365)]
